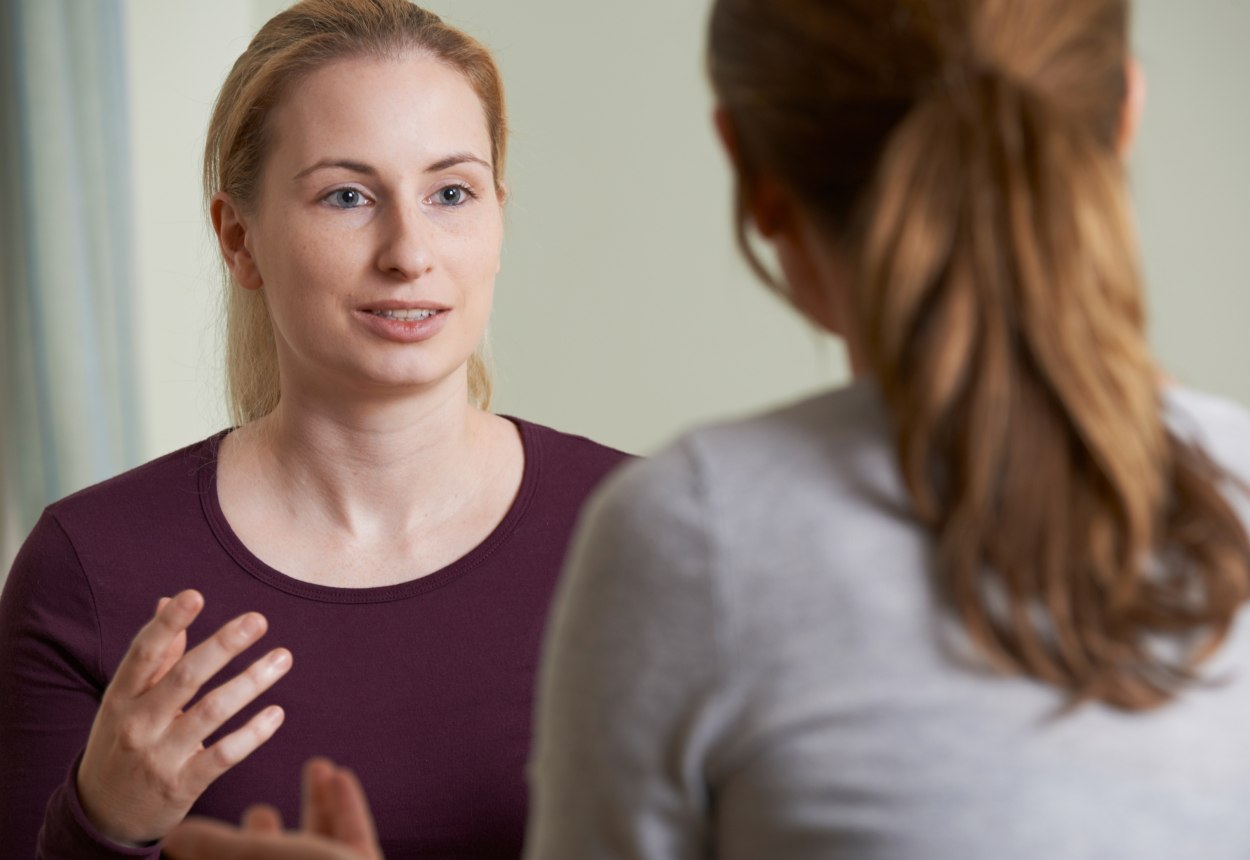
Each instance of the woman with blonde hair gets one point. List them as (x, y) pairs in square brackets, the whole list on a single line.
[(400, 542), (986, 601)]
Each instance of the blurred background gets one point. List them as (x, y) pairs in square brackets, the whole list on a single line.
[(623, 310)]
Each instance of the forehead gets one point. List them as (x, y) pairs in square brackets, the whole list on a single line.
[(410, 106)]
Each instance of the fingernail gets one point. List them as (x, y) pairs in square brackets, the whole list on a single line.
[(188, 601), (274, 714), (279, 659)]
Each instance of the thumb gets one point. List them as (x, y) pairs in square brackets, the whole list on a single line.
[(201, 839)]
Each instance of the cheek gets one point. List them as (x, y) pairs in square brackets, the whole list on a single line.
[(475, 256), (301, 282)]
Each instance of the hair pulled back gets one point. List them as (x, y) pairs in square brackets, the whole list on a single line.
[(965, 155), (293, 44)]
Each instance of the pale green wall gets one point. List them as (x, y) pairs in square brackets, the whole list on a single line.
[(623, 310), (180, 53), (1191, 181)]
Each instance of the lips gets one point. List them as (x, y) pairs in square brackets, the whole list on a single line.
[(399, 305), (407, 314), (404, 322)]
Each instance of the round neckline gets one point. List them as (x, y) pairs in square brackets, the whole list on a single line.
[(474, 558)]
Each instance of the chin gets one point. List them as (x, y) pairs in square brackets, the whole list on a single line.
[(416, 381)]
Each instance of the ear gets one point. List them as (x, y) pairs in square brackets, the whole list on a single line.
[(503, 194), (767, 201), (230, 225), (771, 207), (1134, 104)]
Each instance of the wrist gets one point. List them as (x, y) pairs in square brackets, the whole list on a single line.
[(102, 825), (79, 836)]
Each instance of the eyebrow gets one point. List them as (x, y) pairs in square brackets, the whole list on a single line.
[(457, 158), (360, 167)]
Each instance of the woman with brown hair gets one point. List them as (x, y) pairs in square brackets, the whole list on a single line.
[(399, 541), (983, 602)]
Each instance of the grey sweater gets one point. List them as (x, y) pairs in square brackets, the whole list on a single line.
[(747, 661)]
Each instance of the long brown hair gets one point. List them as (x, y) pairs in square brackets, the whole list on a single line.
[(293, 44), (964, 155)]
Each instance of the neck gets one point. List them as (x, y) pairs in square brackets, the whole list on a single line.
[(368, 467), (855, 353), (829, 298)]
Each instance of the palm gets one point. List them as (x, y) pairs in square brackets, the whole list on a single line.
[(337, 825)]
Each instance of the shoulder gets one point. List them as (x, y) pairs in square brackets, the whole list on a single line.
[(567, 458), (835, 443), (105, 526), (1220, 426), (765, 476), (826, 432), (143, 496)]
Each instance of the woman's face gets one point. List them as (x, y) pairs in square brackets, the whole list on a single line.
[(377, 232)]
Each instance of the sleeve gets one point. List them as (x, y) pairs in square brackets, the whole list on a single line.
[(50, 688), (630, 707)]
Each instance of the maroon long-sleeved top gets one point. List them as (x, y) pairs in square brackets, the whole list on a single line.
[(423, 688)]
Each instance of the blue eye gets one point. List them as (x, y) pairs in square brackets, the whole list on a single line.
[(453, 195), (345, 198)]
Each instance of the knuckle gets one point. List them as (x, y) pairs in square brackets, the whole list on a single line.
[(230, 638), (145, 651), (221, 756), (112, 706), (213, 709), (259, 674), (168, 788), (182, 676), (130, 735)]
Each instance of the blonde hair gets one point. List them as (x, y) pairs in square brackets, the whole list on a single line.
[(965, 154), (293, 44)]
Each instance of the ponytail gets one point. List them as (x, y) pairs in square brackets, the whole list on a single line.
[(1002, 314), (962, 155)]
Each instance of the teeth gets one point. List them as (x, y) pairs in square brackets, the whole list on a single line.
[(411, 315)]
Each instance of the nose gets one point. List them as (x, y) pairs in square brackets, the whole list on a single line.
[(404, 253)]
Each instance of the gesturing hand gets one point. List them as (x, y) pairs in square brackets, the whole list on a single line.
[(145, 762), (336, 826)]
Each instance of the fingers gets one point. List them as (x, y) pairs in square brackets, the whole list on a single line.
[(332, 796), (153, 643), (200, 839), (173, 653), (205, 660), (262, 818), (208, 764), (353, 823), (334, 805), (212, 711), (315, 811), (144, 764)]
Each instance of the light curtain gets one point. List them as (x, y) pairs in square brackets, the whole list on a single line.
[(68, 411)]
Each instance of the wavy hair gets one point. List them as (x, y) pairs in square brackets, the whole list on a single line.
[(965, 155)]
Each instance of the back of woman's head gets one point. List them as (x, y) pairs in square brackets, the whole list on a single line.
[(298, 41), (964, 157)]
